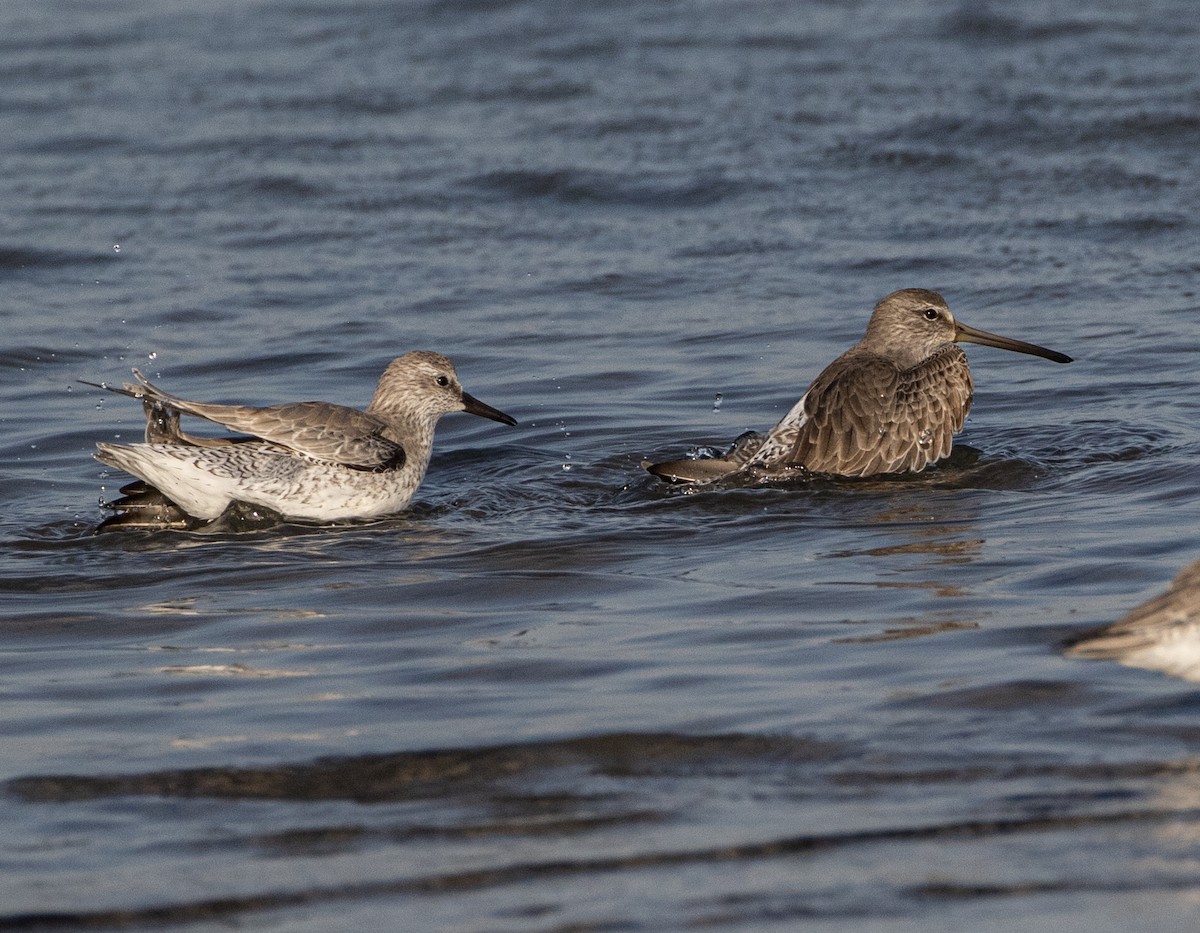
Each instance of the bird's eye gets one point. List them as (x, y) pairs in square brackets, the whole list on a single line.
[(443, 381), (931, 314)]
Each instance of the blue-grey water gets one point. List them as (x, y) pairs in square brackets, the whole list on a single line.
[(557, 695)]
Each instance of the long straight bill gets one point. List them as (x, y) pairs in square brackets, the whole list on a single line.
[(967, 334)]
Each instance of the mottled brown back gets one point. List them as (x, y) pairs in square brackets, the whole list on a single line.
[(867, 416)]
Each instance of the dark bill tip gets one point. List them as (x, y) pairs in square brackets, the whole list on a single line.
[(472, 406), (971, 335)]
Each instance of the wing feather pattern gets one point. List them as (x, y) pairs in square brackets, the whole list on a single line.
[(320, 430), (865, 416)]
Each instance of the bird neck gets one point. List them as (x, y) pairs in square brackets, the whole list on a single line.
[(413, 429), (902, 355)]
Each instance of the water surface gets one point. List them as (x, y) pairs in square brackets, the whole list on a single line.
[(556, 694)]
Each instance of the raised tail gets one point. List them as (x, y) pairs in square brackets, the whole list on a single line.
[(143, 506), (162, 412)]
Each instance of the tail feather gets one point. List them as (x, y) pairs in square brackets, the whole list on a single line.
[(143, 506), (704, 470), (709, 469), (162, 413)]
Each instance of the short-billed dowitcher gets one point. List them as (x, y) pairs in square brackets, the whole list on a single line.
[(892, 403)]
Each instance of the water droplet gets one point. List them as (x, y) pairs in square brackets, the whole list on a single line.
[(152, 355), (717, 402)]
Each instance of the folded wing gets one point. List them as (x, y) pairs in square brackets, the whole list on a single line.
[(865, 416), (320, 430)]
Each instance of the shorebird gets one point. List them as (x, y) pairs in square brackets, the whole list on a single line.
[(305, 461), (892, 403), (1160, 635)]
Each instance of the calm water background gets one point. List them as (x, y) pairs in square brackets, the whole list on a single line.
[(557, 695)]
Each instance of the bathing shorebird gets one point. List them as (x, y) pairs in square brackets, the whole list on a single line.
[(306, 461), (892, 403)]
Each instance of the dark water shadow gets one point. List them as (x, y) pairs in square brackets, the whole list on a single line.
[(572, 788)]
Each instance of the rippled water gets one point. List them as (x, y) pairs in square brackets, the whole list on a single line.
[(557, 695)]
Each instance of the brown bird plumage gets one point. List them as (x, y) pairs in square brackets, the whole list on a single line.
[(892, 403)]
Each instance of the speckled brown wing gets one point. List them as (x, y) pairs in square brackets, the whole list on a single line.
[(320, 430), (867, 417)]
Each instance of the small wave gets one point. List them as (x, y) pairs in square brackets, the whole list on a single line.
[(910, 260), (281, 186), (575, 787), (579, 186), (417, 775), (781, 42), (639, 125), (1148, 127), (977, 23), (1087, 442), (647, 286), (22, 358), (27, 257), (532, 92), (82, 40), (369, 101), (75, 144), (933, 160), (1117, 228), (1013, 695), (730, 246)]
